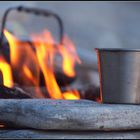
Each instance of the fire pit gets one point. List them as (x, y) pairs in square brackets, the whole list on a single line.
[(41, 68)]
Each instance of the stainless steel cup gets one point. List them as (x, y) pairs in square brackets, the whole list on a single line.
[(119, 71)]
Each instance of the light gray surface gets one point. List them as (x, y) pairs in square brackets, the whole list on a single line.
[(69, 115), (27, 133)]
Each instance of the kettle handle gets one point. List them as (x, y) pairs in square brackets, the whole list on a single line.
[(35, 11)]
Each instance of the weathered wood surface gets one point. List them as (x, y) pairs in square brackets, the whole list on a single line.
[(48, 114), (27, 133)]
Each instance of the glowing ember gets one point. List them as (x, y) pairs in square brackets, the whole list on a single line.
[(32, 60), (2, 126)]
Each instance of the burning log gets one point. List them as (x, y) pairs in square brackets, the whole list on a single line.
[(69, 115), (12, 93), (90, 92), (36, 59)]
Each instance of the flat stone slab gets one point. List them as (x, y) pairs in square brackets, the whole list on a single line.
[(38, 134), (46, 114)]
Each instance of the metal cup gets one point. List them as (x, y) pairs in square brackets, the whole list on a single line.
[(119, 71)]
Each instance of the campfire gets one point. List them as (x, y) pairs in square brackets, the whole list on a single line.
[(40, 67), (30, 63)]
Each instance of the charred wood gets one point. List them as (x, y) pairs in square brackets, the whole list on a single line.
[(12, 93)]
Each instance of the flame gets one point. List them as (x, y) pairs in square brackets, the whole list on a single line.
[(45, 54), (70, 57), (24, 63), (73, 95), (6, 73), (13, 43), (28, 73), (31, 60), (23, 59)]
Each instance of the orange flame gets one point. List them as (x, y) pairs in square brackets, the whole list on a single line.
[(70, 57), (6, 73), (40, 58), (24, 63), (45, 54), (73, 95), (13, 43), (23, 59)]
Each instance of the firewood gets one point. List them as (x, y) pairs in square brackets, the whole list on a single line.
[(36, 92), (63, 80), (12, 93), (79, 115), (90, 92), (21, 78)]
